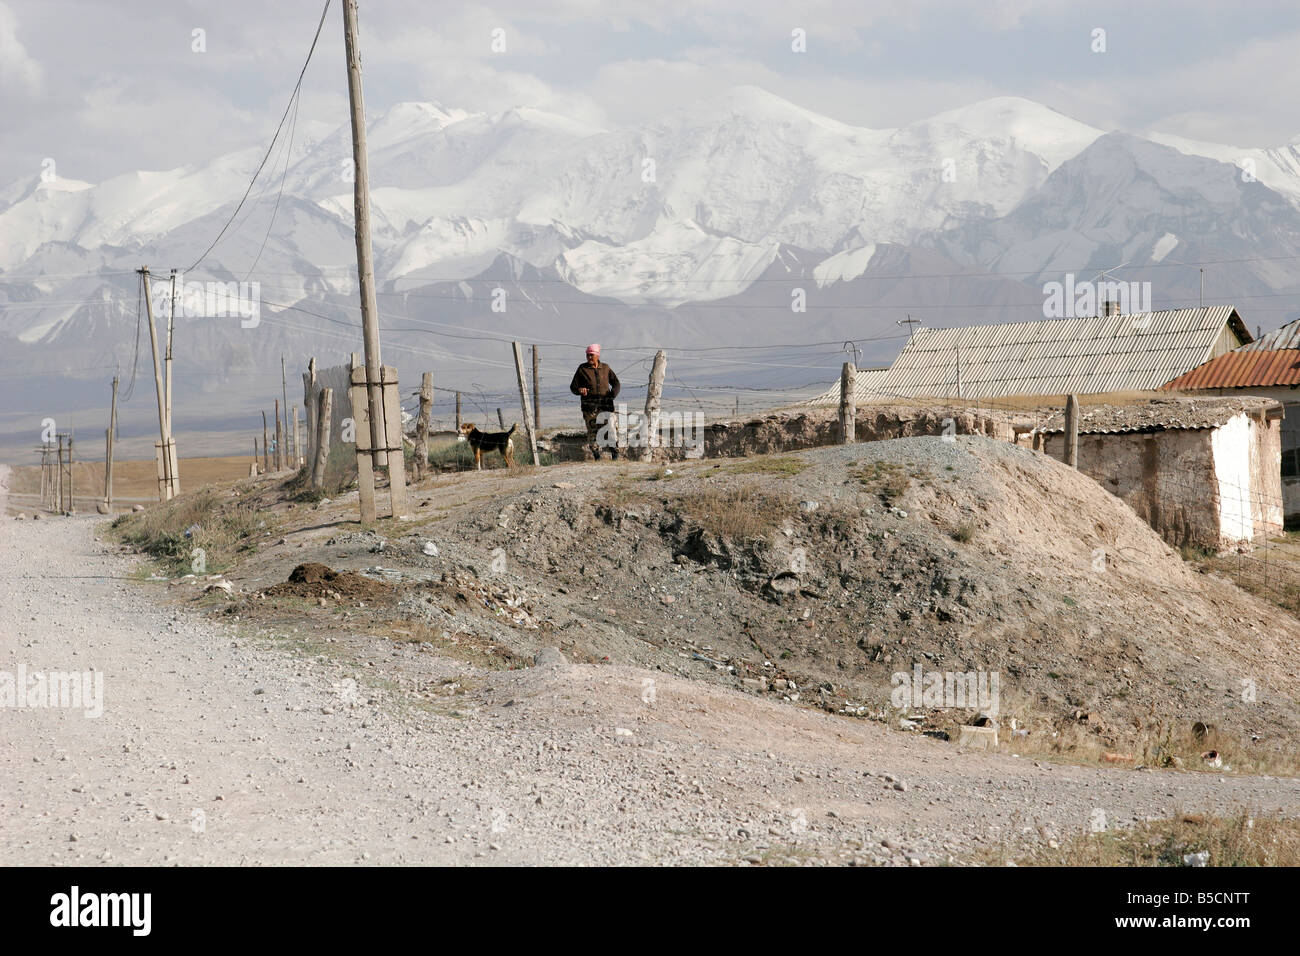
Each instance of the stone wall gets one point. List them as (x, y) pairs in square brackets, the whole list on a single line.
[(793, 431)]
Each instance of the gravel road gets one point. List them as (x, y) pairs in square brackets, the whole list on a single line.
[(219, 746)]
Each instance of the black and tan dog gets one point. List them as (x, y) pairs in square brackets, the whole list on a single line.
[(489, 442)]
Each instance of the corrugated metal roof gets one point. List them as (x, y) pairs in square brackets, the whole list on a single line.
[(1163, 415), (1287, 337), (1059, 356), (1243, 369), (865, 389)]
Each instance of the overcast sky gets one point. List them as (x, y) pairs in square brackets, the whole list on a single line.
[(110, 86)]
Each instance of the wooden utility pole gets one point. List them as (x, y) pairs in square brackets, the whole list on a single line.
[(501, 419), (279, 439), (167, 479), (58, 501), (537, 392), (266, 446), (171, 322), (1072, 431), (284, 391), (653, 395), (109, 435), (848, 404), (365, 265), (422, 426), (383, 446), (458, 411), (523, 401), (322, 443)]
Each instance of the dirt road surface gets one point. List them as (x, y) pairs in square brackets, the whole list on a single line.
[(220, 747)]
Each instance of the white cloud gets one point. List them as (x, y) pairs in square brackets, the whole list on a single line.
[(18, 71)]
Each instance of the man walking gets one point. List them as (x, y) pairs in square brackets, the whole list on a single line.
[(598, 386)]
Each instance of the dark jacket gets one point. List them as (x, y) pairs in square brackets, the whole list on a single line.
[(601, 384)]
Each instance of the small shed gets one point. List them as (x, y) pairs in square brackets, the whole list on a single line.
[(1267, 368), (1202, 472)]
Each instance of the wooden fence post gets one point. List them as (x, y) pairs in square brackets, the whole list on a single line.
[(422, 426), (322, 440), (848, 404), (266, 446), (458, 411), (309, 405), (1072, 431), (653, 394), (523, 402), (501, 419)]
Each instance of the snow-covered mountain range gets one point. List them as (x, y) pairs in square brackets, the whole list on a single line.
[(697, 229)]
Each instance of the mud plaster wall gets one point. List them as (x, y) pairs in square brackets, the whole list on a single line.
[(1208, 488), (1167, 477)]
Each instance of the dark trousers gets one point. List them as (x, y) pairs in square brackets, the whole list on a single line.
[(590, 411)]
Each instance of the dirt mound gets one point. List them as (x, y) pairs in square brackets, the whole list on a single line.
[(827, 578), (319, 580)]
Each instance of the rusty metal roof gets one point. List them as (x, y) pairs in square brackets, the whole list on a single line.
[(1286, 337), (1243, 369), (1160, 415), (1059, 356)]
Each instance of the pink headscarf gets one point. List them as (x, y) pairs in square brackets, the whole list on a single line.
[(593, 349)]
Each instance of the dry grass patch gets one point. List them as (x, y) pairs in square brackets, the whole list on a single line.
[(888, 479), (737, 512), (171, 532), (1241, 840), (785, 466)]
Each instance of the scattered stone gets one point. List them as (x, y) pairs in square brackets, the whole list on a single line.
[(430, 549), (978, 738), (549, 657), (137, 507)]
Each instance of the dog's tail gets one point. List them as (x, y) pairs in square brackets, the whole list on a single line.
[(512, 429)]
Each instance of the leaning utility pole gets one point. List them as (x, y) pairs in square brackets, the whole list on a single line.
[(375, 375), (168, 483)]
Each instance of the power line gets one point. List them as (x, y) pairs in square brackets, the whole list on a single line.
[(293, 96)]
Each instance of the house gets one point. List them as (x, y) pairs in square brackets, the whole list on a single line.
[(1084, 356), (1202, 472), (1267, 368)]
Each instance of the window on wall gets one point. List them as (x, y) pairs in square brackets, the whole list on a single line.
[(1291, 441)]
